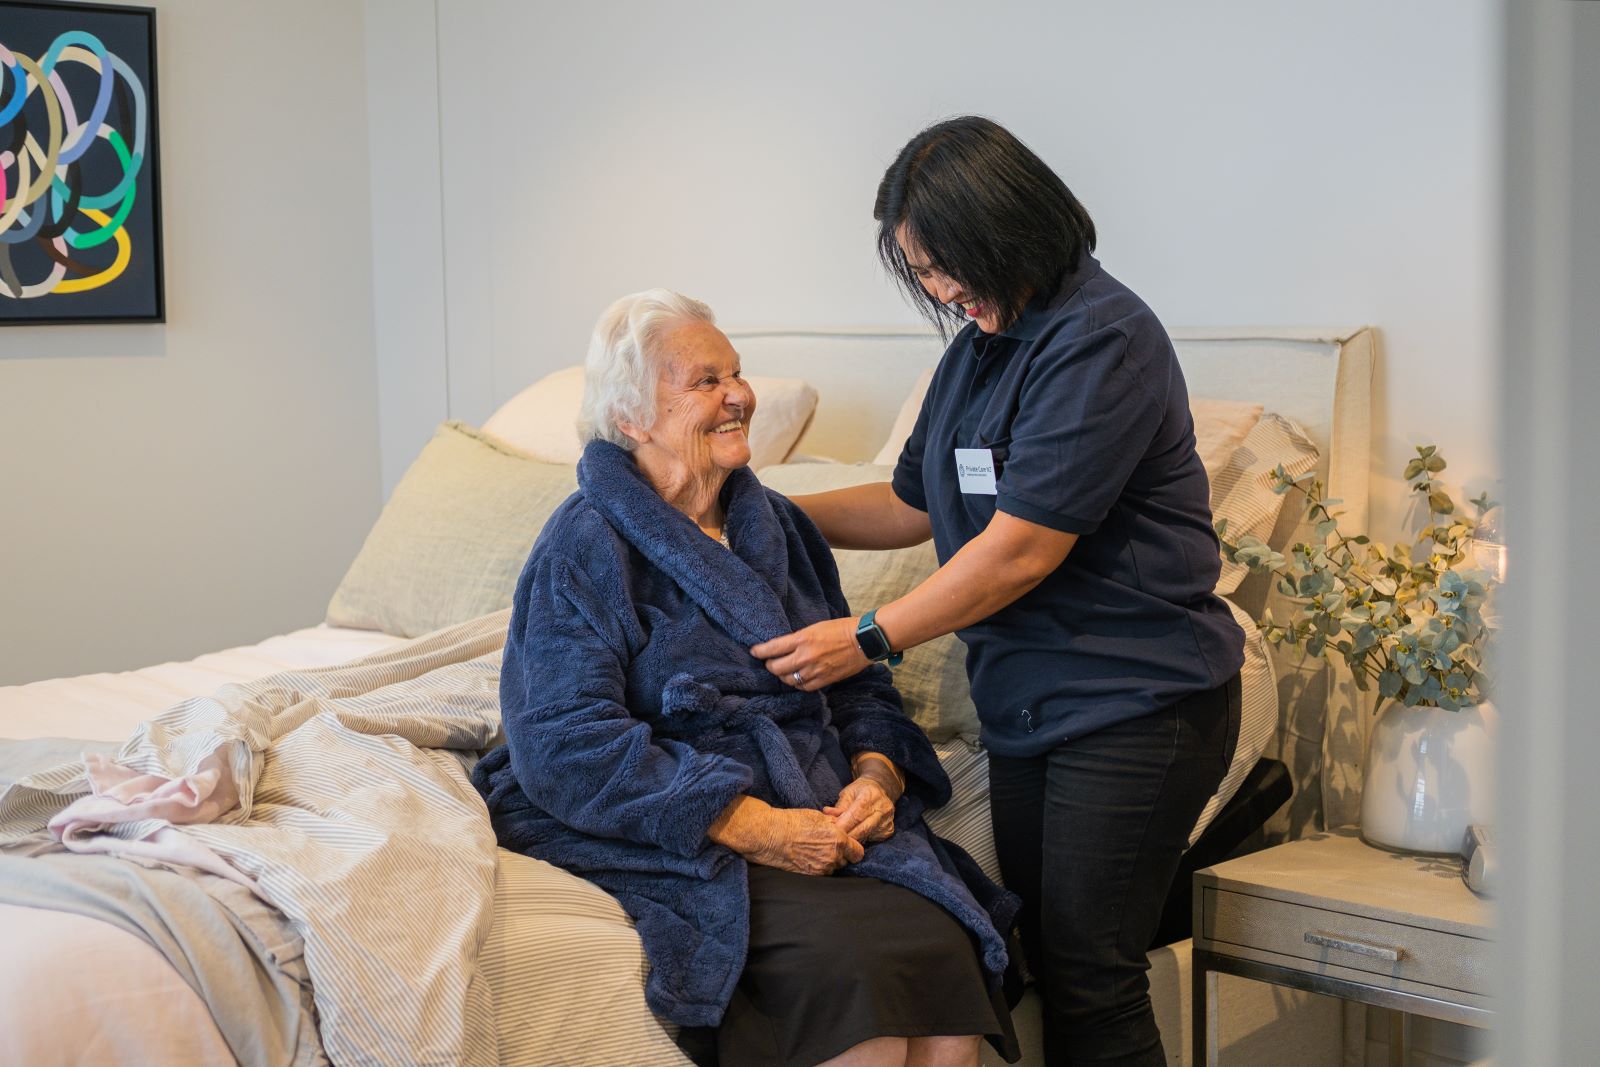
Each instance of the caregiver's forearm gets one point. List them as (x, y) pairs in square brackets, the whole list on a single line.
[(990, 572), (866, 516)]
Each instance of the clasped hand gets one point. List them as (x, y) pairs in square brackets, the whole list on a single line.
[(864, 811), (791, 839), (806, 841)]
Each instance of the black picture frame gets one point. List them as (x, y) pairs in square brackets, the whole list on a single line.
[(86, 245)]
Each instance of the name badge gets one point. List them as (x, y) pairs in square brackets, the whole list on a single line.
[(975, 469)]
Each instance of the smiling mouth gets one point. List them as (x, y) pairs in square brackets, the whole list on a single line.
[(728, 427), (973, 308)]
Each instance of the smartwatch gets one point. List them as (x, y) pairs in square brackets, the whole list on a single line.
[(874, 643)]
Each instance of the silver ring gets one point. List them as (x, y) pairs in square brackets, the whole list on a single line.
[(797, 679)]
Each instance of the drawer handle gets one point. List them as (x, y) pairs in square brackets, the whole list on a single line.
[(1360, 948)]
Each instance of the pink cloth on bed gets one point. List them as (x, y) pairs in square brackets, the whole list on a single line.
[(122, 796)]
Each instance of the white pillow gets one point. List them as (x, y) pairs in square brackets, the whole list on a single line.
[(904, 422), (1219, 426), (542, 420)]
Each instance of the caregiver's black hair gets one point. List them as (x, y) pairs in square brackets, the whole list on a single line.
[(988, 212)]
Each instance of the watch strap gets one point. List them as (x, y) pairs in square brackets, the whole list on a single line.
[(869, 622)]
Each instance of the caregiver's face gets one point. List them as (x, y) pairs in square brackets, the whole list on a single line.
[(703, 406), (941, 286)]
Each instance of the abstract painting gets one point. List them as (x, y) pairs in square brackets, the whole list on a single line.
[(80, 196)]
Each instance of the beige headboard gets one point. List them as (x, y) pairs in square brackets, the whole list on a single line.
[(1319, 377)]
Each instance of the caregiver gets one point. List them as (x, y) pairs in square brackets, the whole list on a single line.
[(1053, 463)]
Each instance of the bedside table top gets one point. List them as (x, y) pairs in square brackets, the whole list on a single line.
[(1339, 871)]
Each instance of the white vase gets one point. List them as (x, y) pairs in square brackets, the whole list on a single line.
[(1430, 775)]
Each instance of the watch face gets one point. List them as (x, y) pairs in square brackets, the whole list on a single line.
[(873, 644)]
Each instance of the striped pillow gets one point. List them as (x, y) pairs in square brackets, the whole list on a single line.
[(1241, 491)]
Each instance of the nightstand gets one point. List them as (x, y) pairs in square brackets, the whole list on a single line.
[(1330, 914)]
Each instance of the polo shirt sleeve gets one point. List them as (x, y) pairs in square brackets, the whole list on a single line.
[(1086, 418), (907, 480)]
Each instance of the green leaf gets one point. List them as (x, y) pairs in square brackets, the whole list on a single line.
[(1434, 463), (1361, 539), (1426, 450), (1389, 683), (1440, 502), (1413, 469)]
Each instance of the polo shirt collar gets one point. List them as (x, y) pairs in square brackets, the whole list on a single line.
[(1042, 306)]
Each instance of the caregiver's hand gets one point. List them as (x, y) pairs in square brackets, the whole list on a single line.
[(821, 654), (790, 839)]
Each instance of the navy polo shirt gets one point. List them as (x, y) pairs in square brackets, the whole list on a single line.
[(1083, 407)]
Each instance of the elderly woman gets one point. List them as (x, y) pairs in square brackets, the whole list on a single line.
[(649, 753)]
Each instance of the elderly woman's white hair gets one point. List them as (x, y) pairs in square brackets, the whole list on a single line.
[(619, 381)]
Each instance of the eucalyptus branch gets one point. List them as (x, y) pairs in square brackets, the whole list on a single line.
[(1406, 617)]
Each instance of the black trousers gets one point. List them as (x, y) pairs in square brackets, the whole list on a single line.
[(1089, 834)]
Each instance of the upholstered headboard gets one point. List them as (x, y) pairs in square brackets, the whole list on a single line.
[(1319, 377)]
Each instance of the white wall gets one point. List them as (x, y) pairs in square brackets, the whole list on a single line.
[(172, 489), (1248, 162)]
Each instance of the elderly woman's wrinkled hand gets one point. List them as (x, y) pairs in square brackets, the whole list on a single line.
[(806, 842), (864, 811), (791, 839)]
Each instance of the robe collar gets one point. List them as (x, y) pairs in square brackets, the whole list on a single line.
[(742, 590)]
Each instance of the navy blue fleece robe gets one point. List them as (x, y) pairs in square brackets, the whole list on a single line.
[(634, 713)]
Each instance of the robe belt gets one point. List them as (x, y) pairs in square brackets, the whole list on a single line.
[(696, 711)]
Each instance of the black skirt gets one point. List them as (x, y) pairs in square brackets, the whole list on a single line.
[(837, 961)]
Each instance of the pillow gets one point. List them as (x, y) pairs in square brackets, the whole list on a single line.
[(453, 537), (933, 676), (1219, 426), (905, 421), (1241, 491), (542, 420)]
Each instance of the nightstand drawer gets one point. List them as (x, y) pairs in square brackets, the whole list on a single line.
[(1317, 935)]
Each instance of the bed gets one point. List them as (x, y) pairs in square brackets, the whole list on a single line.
[(548, 927)]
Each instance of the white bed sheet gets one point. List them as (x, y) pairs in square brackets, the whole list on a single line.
[(106, 707)]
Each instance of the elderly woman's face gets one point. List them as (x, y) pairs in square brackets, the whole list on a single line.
[(703, 406)]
